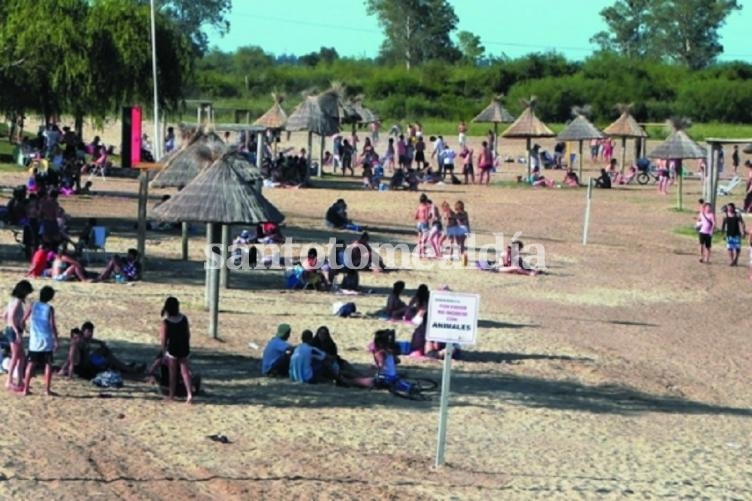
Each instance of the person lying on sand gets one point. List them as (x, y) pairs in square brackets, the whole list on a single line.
[(511, 262), (129, 267), (87, 356)]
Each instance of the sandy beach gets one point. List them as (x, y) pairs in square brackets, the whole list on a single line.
[(623, 371)]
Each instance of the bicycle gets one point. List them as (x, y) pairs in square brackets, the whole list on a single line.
[(410, 389)]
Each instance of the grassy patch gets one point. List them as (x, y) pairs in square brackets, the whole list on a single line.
[(690, 231)]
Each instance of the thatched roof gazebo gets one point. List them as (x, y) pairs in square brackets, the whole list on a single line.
[(318, 114), (181, 167), (366, 115), (579, 129), (528, 126), (275, 117), (625, 127), (220, 194), (494, 113), (678, 146)]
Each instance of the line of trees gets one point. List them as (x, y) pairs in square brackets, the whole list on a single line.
[(434, 89), (92, 56)]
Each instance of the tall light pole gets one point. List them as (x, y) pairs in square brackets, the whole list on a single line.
[(157, 141)]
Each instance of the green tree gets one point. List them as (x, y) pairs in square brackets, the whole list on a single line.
[(470, 46), (191, 16), (628, 29), (46, 35), (683, 31), (686, 31), (415, 31)]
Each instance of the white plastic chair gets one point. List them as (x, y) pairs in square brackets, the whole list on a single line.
[(726, 189)]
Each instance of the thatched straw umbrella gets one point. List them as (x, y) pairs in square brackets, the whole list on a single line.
[(495, 113), (679, 146), (180, 167), (625, 127), (183, 165), (528, 126), (318, 114), (367, 116), (580, 129), (220, 194), (274, 119)]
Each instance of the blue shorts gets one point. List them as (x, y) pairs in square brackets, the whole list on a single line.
[(10, 334), (734, 243), (422, 227)]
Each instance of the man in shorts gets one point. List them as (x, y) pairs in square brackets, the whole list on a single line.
[(422, 216), (733, 227)]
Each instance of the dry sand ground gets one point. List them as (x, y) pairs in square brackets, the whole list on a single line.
[(623, 371)]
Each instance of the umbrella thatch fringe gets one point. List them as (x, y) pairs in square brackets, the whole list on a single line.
[(494, 113), (319, 114), (528, 125), (625, 125), (223, 193), (678, 146), (182, 166), (579, 129)]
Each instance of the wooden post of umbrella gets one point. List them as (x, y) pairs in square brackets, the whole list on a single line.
[(212, 238), (528, 140), (213, 291), (579, 175), (679, 169), (322, 145), (623, 152), (259, 149), (224, 275), (496, 138), (143, 196), (308, 157), (184, 241)]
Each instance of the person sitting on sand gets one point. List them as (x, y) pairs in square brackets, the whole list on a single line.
[(129, 268), (363, 256), (627, 177), (537, 179), (571, 179), (313, 272), (604, 181), (87, 356), (418, 304), (385, 359), (277, 352), (41, 261), (269, 233), (65, 267), (302, 367), (336, 217), (513, 263), (395, 307), (335, 366)]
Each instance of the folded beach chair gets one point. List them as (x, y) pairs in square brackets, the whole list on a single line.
[(725, 190)]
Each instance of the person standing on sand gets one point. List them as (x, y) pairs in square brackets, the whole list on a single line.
[(462, 134), (733, 227), (485, 163), (43, 338), (705, 226), (175, 336), (14, 329), (422, 215)]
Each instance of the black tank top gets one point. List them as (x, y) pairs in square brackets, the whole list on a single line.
[(177, 338)]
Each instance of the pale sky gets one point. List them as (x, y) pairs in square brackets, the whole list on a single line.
[(514, 27)]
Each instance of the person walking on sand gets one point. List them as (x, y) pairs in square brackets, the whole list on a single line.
[(175, 336), (734, 228), (14, 329), (43, 338), (705, 226)]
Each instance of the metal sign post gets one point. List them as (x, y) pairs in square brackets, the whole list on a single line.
[(452, 319)]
